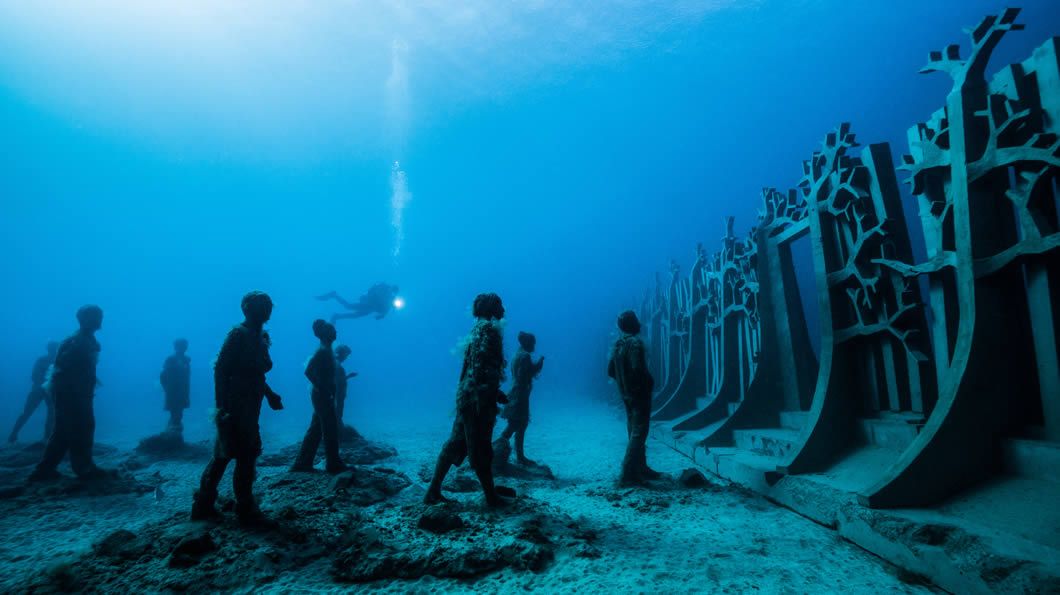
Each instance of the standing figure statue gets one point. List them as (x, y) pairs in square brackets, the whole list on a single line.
[(477, 396), (321, 373), (239, 386), (378, 300), (38, 394), (73, 387), (176, 384), (517, 411), (342, 385), (629, 368)]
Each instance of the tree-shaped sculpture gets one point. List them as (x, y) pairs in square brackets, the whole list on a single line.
[(983, 170), (694, 370), (871, 323)]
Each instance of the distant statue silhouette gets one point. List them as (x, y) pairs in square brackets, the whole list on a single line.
[(38, 394), (321, 374), (378, 300), (176, 383), (73, 386), (342, 382), (517, 411)]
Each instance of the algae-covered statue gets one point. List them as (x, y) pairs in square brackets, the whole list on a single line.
[(38, 394), (239, 386), (73, 387), (342, 387), (378, 300), (517, 411), (321, 374), (176, 384), (477, 396), (628, 366)]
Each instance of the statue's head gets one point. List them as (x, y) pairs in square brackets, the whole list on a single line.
[(324, 330), (180, 346), (90, 318), (488, 306), (342, 352), (257, 307), (628, 323), (527, 341)]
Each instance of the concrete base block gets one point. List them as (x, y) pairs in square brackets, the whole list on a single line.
[(1032, 458), (891, 433), (953, 552)]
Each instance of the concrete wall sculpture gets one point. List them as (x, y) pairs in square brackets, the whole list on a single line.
[(937, 381), (926, 368)]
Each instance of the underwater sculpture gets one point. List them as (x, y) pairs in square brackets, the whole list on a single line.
[(675, 320), (175, 379), (176, 384), (938, 375), (342, 387), (379, 300), (477, 396), (517, 411), (723, 335), (628, 366), (38, 394), (73, 386), (239, 386), (931, 390), (321, 373), (984, 170)]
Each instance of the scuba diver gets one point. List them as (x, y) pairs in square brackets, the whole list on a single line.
[(176, 384), (239, 386), (517, 412), (38, 394), (380, 299), (629, 367), (477, 395), (321, 373), (342, 385), (73, 386)]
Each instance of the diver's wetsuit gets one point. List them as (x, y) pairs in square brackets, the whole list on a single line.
[(176, 383), (37, 394), (73, 386), (321, 373), (628, 366), (517, 411), (239, 387), (476, 408), (378, 300)]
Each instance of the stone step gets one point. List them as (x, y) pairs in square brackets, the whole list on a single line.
[(754, 471), (895, 431), (1032, 458), (758, 462), (773, 442), (793, 420), (687, 443), (908, 417)]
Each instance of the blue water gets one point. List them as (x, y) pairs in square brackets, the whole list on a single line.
[(161, 159)]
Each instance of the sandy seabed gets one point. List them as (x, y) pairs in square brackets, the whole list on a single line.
[(577, 533)]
